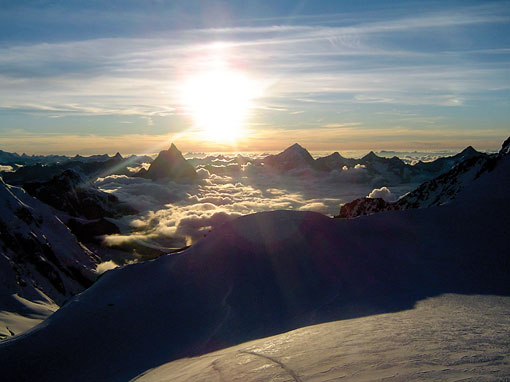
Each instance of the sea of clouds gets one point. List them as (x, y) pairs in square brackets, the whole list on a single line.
[(174, 214)]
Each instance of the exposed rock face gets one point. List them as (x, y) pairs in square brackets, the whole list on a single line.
[(437, 191), (92, 231), (39, 256), (365, 206), (71, 193), (170, 164)]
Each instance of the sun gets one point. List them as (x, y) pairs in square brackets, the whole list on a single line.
[(219, 100)]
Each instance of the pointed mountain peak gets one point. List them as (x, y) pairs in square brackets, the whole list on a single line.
[(469, 150), (370, 156), (295, 147), (172, 152), (336, 154), (292, 157), (170, 164), (118, 156)]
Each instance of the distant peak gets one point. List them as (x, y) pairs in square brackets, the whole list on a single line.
[(295, 146), (371, 155), (174, 148), (336, 154), (118, 156), (469, 149), (172, 153)]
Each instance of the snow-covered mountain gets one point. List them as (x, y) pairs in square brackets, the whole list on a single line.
[(71, 192), (40, 260), (169, 164), (268, 273), (437, 191)]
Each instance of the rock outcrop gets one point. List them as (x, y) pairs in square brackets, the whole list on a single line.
[(70, 192), (435, 192)]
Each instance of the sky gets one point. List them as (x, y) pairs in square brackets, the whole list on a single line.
[(92, 76)]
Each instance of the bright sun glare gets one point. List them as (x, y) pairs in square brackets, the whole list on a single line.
[(219, 100)]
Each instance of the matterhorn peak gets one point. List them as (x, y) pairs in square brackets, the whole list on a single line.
[(169, 164)]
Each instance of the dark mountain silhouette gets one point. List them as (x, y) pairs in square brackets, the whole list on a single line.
[(382, 170), (333, 161), (169, 164), (88, 167), (291, 158), (70, 192)]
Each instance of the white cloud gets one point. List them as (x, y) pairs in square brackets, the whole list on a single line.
[(106, 266), (174, 214), (6, 168), (315, 206), (383, 193)]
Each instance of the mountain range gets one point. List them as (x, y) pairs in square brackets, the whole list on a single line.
[(385, 170), (88, 167), (41, 260), (440, 190), (171, 164), (271, 272)]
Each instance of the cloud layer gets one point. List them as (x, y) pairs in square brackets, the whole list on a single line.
[(176, 214)]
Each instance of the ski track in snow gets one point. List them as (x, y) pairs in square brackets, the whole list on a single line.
[(279, 363), (448, 338)]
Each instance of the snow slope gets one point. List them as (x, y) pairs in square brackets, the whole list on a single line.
[(451, 337), (72, 193), (40, 260), (268, 273)]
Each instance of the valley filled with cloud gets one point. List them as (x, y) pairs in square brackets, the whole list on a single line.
[(174, 214)]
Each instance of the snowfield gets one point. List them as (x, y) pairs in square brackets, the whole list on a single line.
[(447, 338), (268, 273)]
